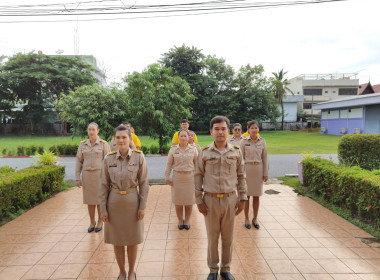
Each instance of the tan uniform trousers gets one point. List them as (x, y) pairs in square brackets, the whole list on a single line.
[(220, 221)]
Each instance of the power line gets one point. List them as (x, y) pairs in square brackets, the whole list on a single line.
[(196, 9)]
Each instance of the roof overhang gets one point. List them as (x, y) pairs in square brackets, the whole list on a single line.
[(357, 100)]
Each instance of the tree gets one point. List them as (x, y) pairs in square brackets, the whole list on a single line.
[(280, 87), (108, 107), (158, 101), (253, 98), (37, 81)]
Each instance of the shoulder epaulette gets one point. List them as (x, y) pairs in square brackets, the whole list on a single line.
[(204, 147), (111, 153), (101, 140), (236, 147), (137, 151), (83, 141)]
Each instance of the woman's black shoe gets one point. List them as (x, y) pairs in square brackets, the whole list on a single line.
[(91, 229), (187, 227)]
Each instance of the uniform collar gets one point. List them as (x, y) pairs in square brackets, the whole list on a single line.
[(118, 155), (228, 147), (241, 137), (257, 139), (187, 147), (97, 141)]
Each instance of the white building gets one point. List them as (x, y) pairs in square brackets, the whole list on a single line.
[(317, 88)]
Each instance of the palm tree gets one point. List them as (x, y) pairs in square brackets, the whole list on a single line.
[(280, 87)]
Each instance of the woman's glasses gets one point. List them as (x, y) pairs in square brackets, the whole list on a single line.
[(237, 129)]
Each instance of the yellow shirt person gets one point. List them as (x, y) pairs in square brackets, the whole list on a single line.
[(184, 125)]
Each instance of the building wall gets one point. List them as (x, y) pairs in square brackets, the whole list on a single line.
[(372, 119), (342, 118), (290, 110)]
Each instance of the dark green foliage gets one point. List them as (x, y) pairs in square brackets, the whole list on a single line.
[(38, 80), (27, 187), (64, 149), (350, 187), (360, 149), (145, 150), (107, 106)]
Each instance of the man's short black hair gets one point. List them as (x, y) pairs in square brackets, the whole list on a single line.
[(219, 119), (185, 120)]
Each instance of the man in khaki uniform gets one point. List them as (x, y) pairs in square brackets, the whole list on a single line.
[(220, 168)]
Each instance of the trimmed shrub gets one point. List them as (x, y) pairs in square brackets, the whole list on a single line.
[(145, 150), (27, 187), (352, 188), (4, 151), (20, 150), (6, 169), (360, 149), (165, 149), (154, 149), (64, 149)]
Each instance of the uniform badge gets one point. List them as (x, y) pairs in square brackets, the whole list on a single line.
[(248, 144), (132, 164)]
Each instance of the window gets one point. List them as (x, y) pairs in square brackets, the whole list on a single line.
[(307, 105), (326, 91), (333, 114), (355, 113), (312, 91), (348, 91), (343, 113), (324, 115)]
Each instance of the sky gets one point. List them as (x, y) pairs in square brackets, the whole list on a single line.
[(337, 37)]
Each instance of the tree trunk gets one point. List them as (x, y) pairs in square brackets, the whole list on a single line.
[(282, 116)]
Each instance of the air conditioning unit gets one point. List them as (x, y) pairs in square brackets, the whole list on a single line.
[(357, 130), (323, 130), (343, 130)]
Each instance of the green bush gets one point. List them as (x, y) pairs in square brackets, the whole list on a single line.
[(6, 169), (46, 158), (64, 149), (4, 151), (360, 149), (145, 150), (20, 150), (165, 149), (348, 187), (154, 149), (27, 187)]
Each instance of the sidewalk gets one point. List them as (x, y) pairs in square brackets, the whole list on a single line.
[(298, 239)]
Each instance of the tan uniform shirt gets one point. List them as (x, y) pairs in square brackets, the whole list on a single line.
[(220, 173), (180, 160), (90, 158), (233, 141), (255, 151), (113, 145), (123, 174)]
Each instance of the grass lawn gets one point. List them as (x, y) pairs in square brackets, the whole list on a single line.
[(278, 142)]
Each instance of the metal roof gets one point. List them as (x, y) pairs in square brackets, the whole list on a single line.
[(357, 100)]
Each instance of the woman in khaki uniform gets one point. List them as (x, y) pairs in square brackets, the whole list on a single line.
[(123, 193), (255, 154), (236, 138), (182, 159), (90, 155), (192, 143)]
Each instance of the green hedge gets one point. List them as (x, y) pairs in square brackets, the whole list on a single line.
[(349, 187), (360, 149), (27, 187), (64, 149)]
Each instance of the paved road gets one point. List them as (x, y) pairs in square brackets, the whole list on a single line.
[(279, 165)]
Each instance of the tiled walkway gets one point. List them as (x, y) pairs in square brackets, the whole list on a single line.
[(298, 239)]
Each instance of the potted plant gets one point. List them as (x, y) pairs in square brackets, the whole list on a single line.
[(305, 156)]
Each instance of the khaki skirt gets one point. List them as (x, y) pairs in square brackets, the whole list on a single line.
[(254, 178), (90, 186), (183, 190), (123, 228)]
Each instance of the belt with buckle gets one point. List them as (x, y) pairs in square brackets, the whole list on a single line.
[(253, 162), (183, 172), (131, 190), (220, 195)]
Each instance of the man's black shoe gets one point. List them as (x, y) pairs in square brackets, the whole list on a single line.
[(227, 276), (212, 276)]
